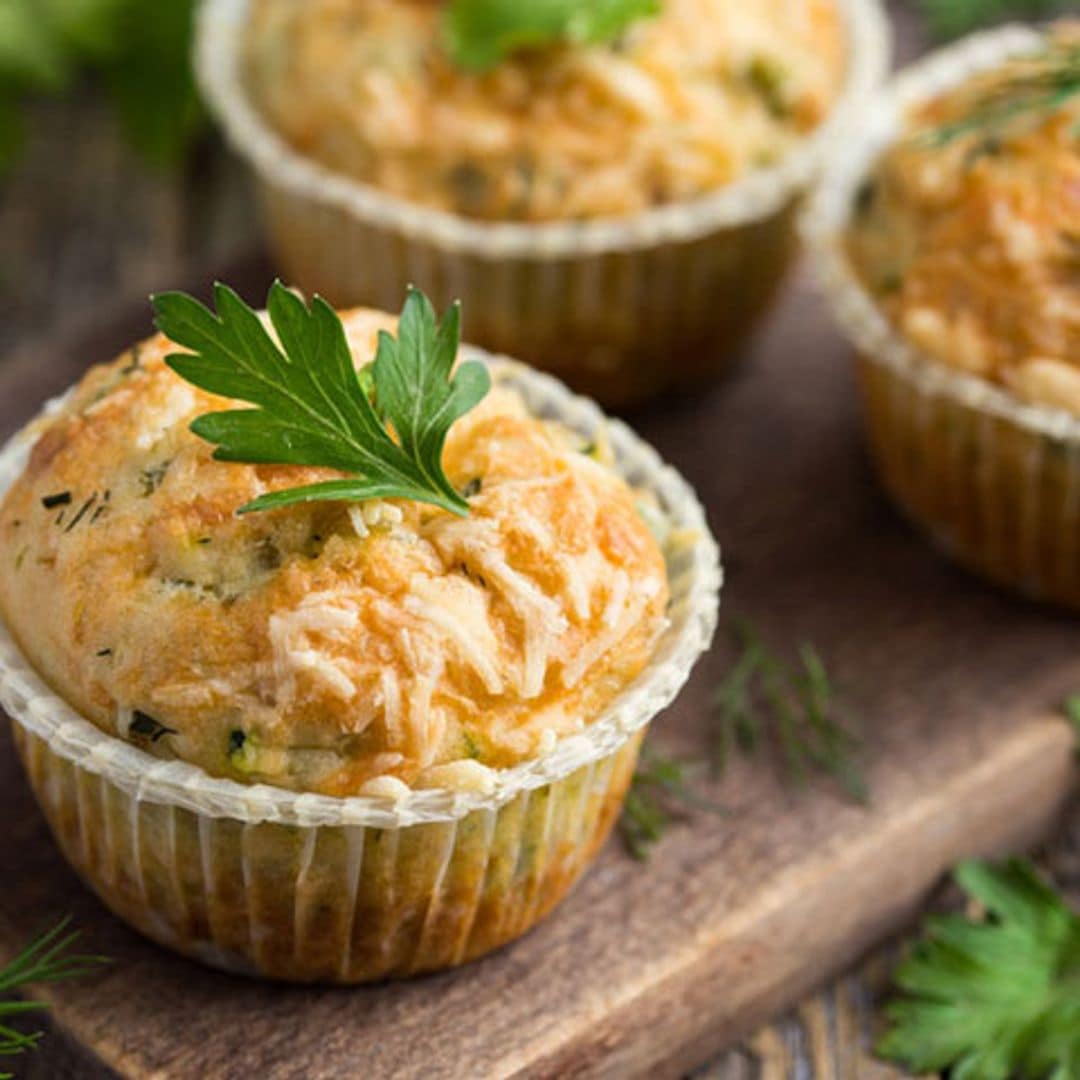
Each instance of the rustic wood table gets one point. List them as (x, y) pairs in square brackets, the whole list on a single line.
[(83, 227)]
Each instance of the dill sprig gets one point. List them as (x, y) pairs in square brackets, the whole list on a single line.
[(764, 700), (1052, 83), (658, 790), (46, 959)]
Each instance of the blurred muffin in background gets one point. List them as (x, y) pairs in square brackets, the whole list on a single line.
[(967, 232), (951, 249), (676, 106), (617, 210)]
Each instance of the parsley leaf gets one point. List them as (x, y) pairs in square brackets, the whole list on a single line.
[(313, 407), (996, 997), (150, 83), (143, 61), (44, 960), (480, 33)]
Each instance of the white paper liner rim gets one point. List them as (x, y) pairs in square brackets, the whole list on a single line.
[(220, 24), (694, 577), (827, 216)]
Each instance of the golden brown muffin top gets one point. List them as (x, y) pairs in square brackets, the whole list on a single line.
[(680, 104), (968, 230), (323, 647)]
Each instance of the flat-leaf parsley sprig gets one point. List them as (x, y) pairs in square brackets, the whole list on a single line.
[(313, 407), (47, 959), (480, 33), (997, 997)]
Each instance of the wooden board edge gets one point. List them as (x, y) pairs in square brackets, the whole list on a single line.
[(662, 1029)]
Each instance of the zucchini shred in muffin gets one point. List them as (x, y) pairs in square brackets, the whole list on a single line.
[(327, 647), (681, 103), (947, 236)]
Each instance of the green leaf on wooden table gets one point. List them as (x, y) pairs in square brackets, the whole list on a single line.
[(47, 959), (660, 786), (1072, 712), (141, 56), (480, 33), (951, 18), (151, 84), (32, 54), (314, 408), (996, 996), (764, 701), (11, 133)]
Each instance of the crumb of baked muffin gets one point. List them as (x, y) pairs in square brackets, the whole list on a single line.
[(967, 232), (325, 647), (681, 103)]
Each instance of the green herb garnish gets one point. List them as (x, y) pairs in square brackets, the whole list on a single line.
[(1072, 712), (951, 18), (995, 997), (81, 512), (480, 33), (48, 46), (1051, 84), (42, 961), (314, 408), (151, 477), (764, 700), (660, 784)]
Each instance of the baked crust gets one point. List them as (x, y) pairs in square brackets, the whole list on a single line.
[(970, 241), (324, 647), (681, 104)]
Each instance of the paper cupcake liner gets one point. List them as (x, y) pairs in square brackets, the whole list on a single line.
[(994, 482), (622, 308), (309, 887)]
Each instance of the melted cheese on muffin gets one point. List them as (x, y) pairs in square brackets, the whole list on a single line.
[(970, 241), (333, 648), (681, 104)]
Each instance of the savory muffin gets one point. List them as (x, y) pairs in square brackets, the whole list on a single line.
[(337, 648), (679, 104), (947, 234), (337, 740), (587, 180), (967, 231)]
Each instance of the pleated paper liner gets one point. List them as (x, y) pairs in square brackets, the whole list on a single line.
[(622, 309), (994, 482), (263, 881)]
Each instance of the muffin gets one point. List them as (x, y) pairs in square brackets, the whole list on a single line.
[(588, 202), (949, 248), (337, 740), (680, 104)]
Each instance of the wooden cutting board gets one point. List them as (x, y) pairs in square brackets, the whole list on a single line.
[(649, 969)]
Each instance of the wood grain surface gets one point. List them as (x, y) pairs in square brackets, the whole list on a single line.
[(649, 970)]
